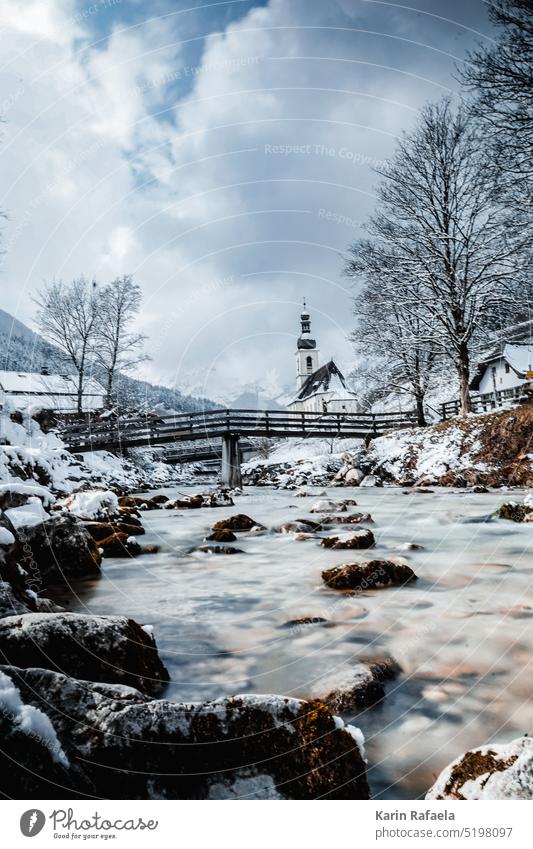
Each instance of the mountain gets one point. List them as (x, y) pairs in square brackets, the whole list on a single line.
[(21, 349)]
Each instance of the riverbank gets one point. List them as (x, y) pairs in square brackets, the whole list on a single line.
[(489, 449), (153, 645)]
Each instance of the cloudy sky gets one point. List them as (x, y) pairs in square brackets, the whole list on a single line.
[(221, 152)]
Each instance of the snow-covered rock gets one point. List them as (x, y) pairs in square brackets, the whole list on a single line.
[(60, 547), (356, 685), (500, 771), (327, 506), (97, 648), (362, 538), (247, 746), (371, 480), (33, 762), (353, 477), (368, 575), (93, 504)]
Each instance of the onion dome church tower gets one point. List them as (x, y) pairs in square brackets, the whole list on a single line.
[(319, 389), (306, 351)]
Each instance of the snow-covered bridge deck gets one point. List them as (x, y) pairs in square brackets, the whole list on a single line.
[(229, 425)]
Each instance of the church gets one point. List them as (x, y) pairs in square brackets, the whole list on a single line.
[(320, 389)]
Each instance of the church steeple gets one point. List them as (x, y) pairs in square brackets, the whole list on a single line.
[(306, 350), (305, 341)]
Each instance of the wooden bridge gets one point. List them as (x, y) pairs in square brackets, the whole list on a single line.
[(229, 426)]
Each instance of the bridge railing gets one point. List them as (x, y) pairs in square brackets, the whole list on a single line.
[(146, 430)]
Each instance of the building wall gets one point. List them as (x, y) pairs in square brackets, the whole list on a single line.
[(505, 378), (315, 404), (302, 369)]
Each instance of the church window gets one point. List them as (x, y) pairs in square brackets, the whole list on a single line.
[(309, 364)]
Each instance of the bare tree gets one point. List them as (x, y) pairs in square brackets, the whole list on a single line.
[(448, 253), (118, 348), (67, 317), (390, 327), (501, 78)]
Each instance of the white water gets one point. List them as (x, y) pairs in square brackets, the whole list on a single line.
[(463, 634)]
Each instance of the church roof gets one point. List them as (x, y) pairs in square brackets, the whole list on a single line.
[(327, 378)]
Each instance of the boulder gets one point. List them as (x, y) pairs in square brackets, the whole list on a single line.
[(371, 480), (357, 686), (369, 575), (33, 764), (119, 544), (220, 498), (513, 512), (219, 549), (238, 523), (298, 526), (221, 536), (96, 504), (20, 578), (326, 506), (362, 538), (500, 771), (129, 529), (254, 747), (304, 622), (140, 503), (96, 648), (62, 547), (346, 519), (190, 502), (353, 477)]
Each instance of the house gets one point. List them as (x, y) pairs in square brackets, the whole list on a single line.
[(58, 392), (320, 389), (504, 369)]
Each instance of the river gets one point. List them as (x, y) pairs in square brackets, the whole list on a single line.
[(462, 634)]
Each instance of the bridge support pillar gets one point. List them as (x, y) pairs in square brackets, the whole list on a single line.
[(231, 462)]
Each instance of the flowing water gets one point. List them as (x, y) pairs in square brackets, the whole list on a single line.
[(463, 633)]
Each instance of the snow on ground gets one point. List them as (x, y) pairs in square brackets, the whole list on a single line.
[(37, 465), (429, 453), (306, 460)]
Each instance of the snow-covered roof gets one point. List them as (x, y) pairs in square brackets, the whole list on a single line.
[(328, 379), (34, 383), (519, 357)]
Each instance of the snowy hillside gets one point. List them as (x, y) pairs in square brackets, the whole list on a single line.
[(23, 350)]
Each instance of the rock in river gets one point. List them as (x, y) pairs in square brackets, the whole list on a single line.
[(221, 536), (61, 546), (356, 686), (240, 522), (491, 772), (252, 747), (368, 575), (362, 538), (97, 648)]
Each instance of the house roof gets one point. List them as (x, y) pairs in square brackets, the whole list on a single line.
[(327, 378), (519, 357), (34, 383)]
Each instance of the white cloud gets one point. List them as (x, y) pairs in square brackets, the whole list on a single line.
[(228, 204)]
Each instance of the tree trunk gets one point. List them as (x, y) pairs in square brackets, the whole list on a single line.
[(420, 414), (80, 393), (463, 369), (109, 389)]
